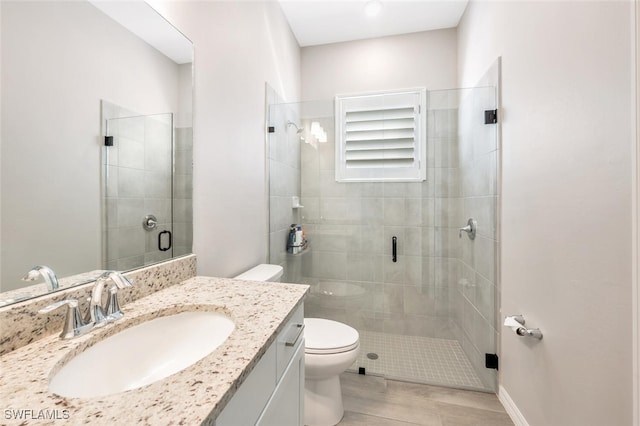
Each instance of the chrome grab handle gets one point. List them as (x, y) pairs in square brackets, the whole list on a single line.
[(298, 328), (73, 324), (470, 229)]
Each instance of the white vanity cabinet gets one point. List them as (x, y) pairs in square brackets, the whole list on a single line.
[(273, 393)]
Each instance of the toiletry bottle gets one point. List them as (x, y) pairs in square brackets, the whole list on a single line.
[(292, 238)]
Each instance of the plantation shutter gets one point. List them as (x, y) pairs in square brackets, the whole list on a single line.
[(380, 137)]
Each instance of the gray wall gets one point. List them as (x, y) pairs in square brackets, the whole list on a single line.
[(566, 197)]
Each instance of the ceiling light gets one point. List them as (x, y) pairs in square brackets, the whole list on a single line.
[(372, 8)]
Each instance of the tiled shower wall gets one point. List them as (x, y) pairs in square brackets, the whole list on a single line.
[(183, 192), (350, 227)]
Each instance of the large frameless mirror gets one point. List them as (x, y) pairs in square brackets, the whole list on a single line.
[(96, 147)]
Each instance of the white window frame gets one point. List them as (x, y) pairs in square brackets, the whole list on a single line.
[(362, 161)]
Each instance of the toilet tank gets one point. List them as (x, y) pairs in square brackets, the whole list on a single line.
[(262, 272)]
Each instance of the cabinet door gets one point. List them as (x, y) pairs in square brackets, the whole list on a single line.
[(253, 395), (286, 407)]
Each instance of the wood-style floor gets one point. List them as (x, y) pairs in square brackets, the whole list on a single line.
[(375, 401)]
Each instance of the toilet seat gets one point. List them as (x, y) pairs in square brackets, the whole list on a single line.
[(323, 336)]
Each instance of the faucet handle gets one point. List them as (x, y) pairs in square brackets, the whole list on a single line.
[(73, 324), (112, 310), (113, 307)]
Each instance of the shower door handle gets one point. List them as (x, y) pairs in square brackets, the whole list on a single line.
[(394, 249), (160, 246)]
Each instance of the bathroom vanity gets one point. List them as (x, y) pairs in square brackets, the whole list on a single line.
[(276, 399), (256, 376)]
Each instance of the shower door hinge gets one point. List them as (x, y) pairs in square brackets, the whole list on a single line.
[(272, 129), (491, 116), (108, 141), (491, 361)]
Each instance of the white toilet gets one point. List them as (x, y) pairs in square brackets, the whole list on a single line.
[(262, 272), (330, 348)]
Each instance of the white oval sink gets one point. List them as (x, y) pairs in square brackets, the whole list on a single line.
[(142, 354)]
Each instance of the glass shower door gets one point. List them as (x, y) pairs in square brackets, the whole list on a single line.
[(466, 165), (138, 197), (428, 316)]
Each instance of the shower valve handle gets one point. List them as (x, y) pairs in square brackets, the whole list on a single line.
[(149, 222), (470, 229), (465, 229)]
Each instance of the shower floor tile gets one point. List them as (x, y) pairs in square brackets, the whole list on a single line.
[(417, 359)]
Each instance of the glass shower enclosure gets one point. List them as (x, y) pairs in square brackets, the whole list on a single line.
[(138, 196), (429, 316)]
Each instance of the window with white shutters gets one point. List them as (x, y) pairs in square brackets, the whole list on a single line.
[(380, 137)]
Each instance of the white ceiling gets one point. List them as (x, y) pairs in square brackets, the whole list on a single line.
[(331, 21)]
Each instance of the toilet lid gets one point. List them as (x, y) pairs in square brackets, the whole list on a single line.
[(323, 336)]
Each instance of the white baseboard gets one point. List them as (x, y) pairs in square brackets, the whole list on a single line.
[(511, 408)]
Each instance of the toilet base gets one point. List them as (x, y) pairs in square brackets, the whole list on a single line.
[(323, 402)]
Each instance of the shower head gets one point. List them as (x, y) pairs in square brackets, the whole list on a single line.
[(298, 129)]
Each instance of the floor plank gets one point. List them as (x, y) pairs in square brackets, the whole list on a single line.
[(358, 419), (371, 400)]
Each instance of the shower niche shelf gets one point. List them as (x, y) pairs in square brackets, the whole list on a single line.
[(295, 203), (303, 252)]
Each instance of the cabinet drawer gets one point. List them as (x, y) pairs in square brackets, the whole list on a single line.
[(291, 336)]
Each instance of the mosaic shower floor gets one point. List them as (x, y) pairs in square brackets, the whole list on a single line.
[(416, 359)]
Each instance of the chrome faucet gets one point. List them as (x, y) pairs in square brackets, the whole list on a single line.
[(46, 273), (73, 323), (96, 312)]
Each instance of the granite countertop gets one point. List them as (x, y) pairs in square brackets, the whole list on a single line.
[(195, 395)]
